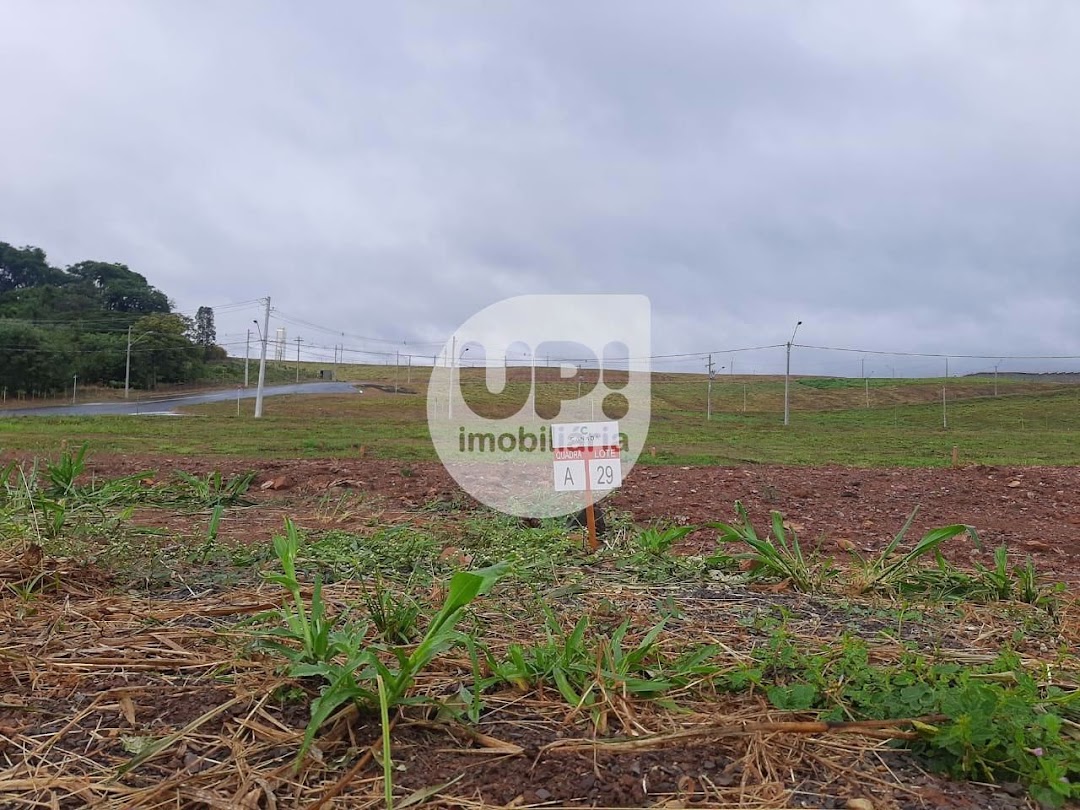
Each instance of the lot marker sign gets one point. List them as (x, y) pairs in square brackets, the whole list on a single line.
[(587, 458)]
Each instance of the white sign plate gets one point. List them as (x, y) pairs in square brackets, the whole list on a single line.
[(585, 434), (587, 456)]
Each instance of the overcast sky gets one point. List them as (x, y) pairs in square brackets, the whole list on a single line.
[(899, 176)]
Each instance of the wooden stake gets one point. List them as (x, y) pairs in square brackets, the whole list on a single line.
[(590, 518)]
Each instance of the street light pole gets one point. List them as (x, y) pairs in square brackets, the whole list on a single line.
[(708, 396), (787, 375), (262, 360)]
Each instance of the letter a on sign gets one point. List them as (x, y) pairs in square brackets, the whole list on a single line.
[(569, 475)]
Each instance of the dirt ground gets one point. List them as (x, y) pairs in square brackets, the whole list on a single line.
[(1032, 510)]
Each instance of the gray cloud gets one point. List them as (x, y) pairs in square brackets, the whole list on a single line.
[(901, 177)]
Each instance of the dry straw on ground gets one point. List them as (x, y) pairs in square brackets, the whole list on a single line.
[(114, 700)]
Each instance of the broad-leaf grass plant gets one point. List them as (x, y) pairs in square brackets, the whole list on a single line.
[(353, 667)]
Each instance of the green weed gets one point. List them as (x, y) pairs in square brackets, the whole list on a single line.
[(775, 556), (886, 573), (63, 473), (997, 722), (595, 671), (394, 615), (352, 668), (658, 541), (1020, 583), (650, 556), (47, 507), (399, 552), (309, 628), (209, 545), (339, 507), (351, 679), (1008, 730), (207, 492), (536, 554)]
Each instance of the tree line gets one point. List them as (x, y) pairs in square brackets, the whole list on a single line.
[(58, 323)]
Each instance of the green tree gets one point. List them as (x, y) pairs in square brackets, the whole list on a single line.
[(77, 302), (25, 267), (29, 360), (165, 351), (55, 323), (100, 357), (121, 290), (205, 333)]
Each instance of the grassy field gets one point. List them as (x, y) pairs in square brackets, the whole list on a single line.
[(194, 640), (833, 421)]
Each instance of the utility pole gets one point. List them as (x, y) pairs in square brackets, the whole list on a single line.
[(335, 361), (408, 372), (944, 407), (127, 368), (247, 357), (74, 387), (998, 363), (453, 363), (708, 398), (262, 359), (787, 374), (297, 358), (397, 367)]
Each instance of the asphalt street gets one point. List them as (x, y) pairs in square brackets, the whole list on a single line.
[(169, 405)]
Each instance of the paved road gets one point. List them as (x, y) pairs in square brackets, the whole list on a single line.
[(169, 406)]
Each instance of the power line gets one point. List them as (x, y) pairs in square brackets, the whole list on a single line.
[(942, 354), (296, 321), (311, 347)]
